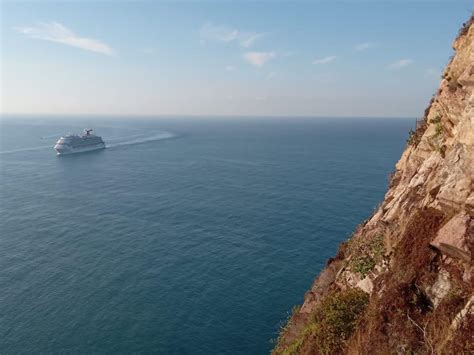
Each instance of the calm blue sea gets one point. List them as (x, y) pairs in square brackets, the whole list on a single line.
[(185, 236)]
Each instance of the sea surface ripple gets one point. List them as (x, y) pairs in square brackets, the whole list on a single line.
[(185, 235)]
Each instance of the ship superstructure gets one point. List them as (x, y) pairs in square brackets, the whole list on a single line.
[(74, 143)]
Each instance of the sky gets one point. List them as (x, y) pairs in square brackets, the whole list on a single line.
[(226, 58)]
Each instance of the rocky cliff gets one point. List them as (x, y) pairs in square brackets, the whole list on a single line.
[(403, 282)]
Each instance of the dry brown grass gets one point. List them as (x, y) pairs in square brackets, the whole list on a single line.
[(386, 325), (462, 342)]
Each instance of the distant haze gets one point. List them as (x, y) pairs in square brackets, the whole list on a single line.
[(210, 58)]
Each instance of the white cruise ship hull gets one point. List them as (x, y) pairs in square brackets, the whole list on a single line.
[(67, 150)]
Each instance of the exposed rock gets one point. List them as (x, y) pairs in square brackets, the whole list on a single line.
[(452, 237), (467, 311), (366, 285), (320, 286), (417, 295), (467, 274), (440, 288), (348, 278)]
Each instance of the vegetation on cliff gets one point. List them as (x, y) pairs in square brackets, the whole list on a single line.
[(403, 283), (332, 322)]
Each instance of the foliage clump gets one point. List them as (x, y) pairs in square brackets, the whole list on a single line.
[(332, 323), (414, 135), (366, 253), (437, 122), (363, 265), (437, 138), (411, 137)]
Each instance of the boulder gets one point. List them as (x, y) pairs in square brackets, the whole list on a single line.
[(452, 238), (440, 288), (366, 285)]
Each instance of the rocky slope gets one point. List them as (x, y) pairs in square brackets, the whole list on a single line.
[(403, 283)]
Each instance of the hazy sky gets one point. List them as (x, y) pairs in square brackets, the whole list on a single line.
[(317, 58)]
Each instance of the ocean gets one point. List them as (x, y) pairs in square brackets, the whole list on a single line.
[(185, 236)]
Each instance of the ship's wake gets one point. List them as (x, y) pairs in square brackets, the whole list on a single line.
[(141, 139), (110, 143), (26, 149)]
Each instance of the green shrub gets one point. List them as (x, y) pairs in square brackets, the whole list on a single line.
[(436, 139), (411, 137), (366, 253), (377, 246), (332, 323), (363, 265)]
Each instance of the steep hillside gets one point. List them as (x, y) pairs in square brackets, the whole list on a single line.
[(403, 283)]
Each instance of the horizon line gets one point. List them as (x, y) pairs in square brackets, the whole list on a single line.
[(55, 115)]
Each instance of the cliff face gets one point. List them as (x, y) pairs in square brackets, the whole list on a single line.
[(403, 283)]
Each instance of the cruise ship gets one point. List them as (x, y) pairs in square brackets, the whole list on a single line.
[(74, 143)]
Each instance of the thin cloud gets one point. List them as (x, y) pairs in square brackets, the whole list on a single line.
[(224, 34), (57, 32), (148, 50), (363, 46), (325, 60), (400, 63), (258, 59), (248, 39), (432, 73), (229, 68)]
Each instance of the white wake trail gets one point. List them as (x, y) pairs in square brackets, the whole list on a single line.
[(141, 139), (26, 149), (156, 137)]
